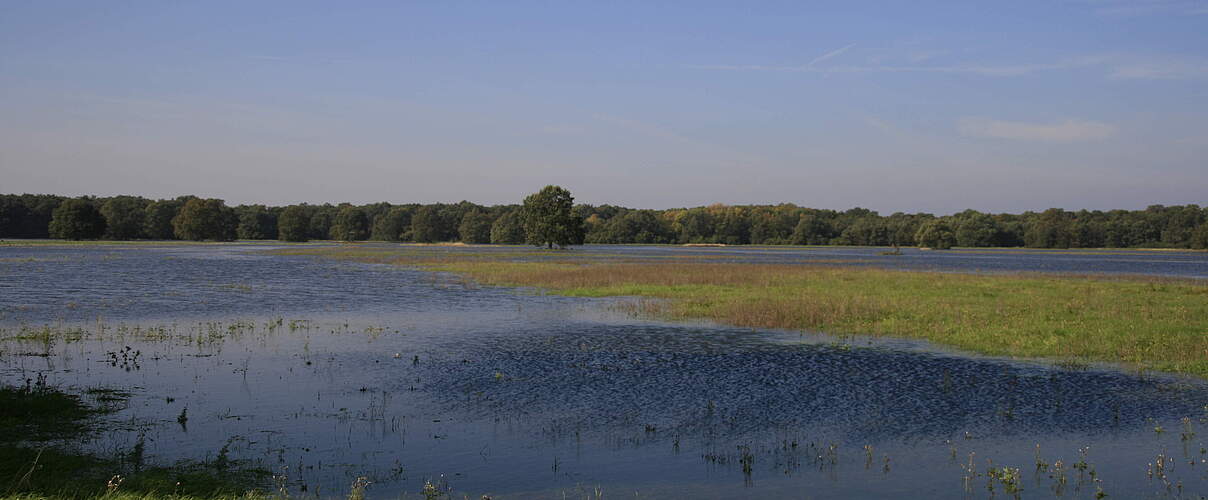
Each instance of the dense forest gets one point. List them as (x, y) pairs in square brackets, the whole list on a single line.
[(192, 218)]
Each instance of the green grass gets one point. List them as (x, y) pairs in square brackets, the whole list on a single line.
[(1142, 322), (38, 413), (54, 473), (38, 458)]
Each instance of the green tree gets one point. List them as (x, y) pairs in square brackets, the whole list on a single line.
[(935, 233), (867, 231), (1180, 223), (635, 226), (693, 226), (27, 215), (771, 227), (205, 219), (811, 230), (1199, 237), (77, 219), (351, 224), (733, 227), (1050, 229), (392, 225), (508, 229), (157, 219), (124, 216), (256, 222), (549, 218), (12, 214), (425, 225), (902, 228), (975, 229), (475, 227), (322, 217), (294, 223)]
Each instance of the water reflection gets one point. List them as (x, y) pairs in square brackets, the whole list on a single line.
[(326, 371)]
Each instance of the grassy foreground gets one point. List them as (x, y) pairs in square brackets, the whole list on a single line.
[(1148, 323)]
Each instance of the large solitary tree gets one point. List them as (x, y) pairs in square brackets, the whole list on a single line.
[(549, 218)]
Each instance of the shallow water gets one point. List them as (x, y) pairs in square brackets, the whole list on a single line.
[(326, 371)]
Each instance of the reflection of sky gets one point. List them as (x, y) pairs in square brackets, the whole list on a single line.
[(908, 106), (342, 396)]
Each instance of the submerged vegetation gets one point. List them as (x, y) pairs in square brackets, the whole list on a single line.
[(1149, 323), (40, 456)]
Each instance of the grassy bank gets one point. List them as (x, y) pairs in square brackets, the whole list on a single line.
[(1148, 323)]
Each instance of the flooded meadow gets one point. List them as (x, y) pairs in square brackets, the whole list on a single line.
[(330, 373)]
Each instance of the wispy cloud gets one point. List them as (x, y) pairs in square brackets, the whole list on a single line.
[(974, 69), (1157, 69), (1114, 66), (299, 59), (1065, 131), (834, 53)]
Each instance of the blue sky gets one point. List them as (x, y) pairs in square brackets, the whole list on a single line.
[(894, 106)]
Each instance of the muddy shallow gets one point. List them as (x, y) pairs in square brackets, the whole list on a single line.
[(325, 371)]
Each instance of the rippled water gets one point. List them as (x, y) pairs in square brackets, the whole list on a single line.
[(326, 371)]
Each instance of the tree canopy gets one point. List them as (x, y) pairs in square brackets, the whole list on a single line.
[(77, 219), (351, 224), (294, 224), (134, 217), (549, 218), (208, 219)]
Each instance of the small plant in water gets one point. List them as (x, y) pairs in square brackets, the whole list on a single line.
[(113, 484), (358, 488), (281, 481), (1081, 464), (970, 473), (1009, 477), (747, 459), (1059, 479), (435, 491)]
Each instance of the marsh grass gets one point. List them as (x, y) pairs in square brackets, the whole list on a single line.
[(31, 467), (36, 412), (1144, 322)]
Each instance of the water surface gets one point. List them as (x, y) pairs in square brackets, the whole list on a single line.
[(326, 371)]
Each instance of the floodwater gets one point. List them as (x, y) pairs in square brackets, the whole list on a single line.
[(326, 371)]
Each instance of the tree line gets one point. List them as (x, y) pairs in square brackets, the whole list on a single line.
[(194, 218)]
